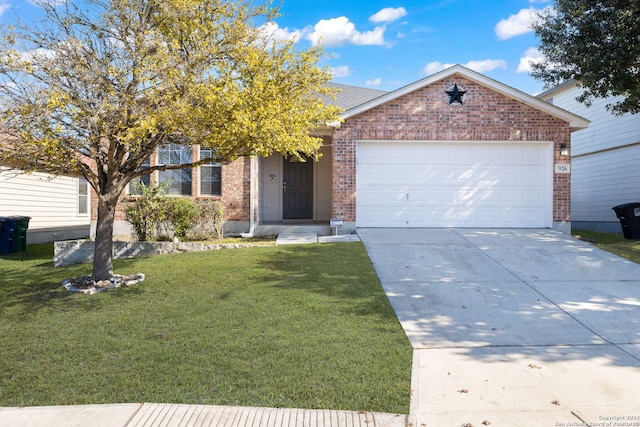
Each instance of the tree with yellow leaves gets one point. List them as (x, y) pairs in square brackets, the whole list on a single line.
[(101, 84)]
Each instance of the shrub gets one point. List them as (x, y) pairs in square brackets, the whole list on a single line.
[(154, 216), (147, 212), (181, 216), (209, 222)]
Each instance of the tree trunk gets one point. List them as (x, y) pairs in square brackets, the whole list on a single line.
[(103, 254)]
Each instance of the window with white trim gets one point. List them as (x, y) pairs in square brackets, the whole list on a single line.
[(83, 196), (210, 175), (179, 180)]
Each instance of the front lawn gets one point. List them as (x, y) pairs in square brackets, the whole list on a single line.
[(614, 243), (301, 326)]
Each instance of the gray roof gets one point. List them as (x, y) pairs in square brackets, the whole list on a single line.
[(351, 96), (556, 88)]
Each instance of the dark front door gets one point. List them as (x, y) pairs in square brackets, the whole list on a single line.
[(298, 189)]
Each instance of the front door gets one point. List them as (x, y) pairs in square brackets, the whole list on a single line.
[(298, 189)]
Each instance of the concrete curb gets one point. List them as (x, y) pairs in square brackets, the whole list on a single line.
[(161, 415)]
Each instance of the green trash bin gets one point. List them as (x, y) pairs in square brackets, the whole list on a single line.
[(20, 233)]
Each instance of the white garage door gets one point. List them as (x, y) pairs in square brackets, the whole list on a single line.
[(454, 184)]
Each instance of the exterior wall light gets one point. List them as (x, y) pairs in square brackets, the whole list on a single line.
[(564, 150)]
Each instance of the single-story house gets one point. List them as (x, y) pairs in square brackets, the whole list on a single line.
[(604, 159), (59, 207), (455, 149)]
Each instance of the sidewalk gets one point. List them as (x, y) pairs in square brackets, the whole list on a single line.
[(302, 238), (161, 415)]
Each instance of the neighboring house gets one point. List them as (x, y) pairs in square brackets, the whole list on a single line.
[(456, 149), (605, 160), (59, 207)]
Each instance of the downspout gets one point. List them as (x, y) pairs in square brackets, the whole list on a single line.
[(252, 205)]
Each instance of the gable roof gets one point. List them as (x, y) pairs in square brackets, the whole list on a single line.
[(575, 122), (351, 96), (550, 93)]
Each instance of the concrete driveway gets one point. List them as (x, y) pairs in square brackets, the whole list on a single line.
[(513, 327)]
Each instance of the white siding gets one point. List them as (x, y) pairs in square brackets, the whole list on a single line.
[(51, 202), (605, 169), (603, 180), (606, 131)]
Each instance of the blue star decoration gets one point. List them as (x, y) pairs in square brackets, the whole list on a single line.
[(455, 95)]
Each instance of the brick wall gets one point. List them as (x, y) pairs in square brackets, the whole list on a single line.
[(235, 192), (426, 115)]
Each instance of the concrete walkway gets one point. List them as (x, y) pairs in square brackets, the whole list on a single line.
[(304, 238), (168, 415), (513, 327)]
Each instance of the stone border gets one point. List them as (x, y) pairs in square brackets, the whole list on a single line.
[(71, 252), (86, 284)]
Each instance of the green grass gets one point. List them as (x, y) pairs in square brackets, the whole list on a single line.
[(304, 326), (614, 243)]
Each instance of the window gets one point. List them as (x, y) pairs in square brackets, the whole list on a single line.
[(210, 175), (145, 180), (83, 196), (179, 181)]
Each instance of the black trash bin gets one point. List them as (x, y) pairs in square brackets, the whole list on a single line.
[(629, 215), (7, 227), (20, 233)]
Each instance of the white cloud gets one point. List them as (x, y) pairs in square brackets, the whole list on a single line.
[(388, 14), (38, 55), (479, 66), (54, 3), (341, 71), (434, 67), (339, 31), (374, 82), (532, 55), (272, 30), (4, 7), (515, 25), (486, 65)]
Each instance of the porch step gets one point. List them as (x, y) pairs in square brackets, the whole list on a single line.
[(301, 238), (296, 238), (276, 229)]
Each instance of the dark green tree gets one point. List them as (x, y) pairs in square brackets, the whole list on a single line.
[(597, 43)]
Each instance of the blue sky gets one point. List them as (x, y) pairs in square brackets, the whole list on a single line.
[(386, 44)]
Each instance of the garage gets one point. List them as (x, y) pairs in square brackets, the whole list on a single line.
[(454, 184), (455, 149)]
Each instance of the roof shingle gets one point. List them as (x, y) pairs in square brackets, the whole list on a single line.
[(351, 96)]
